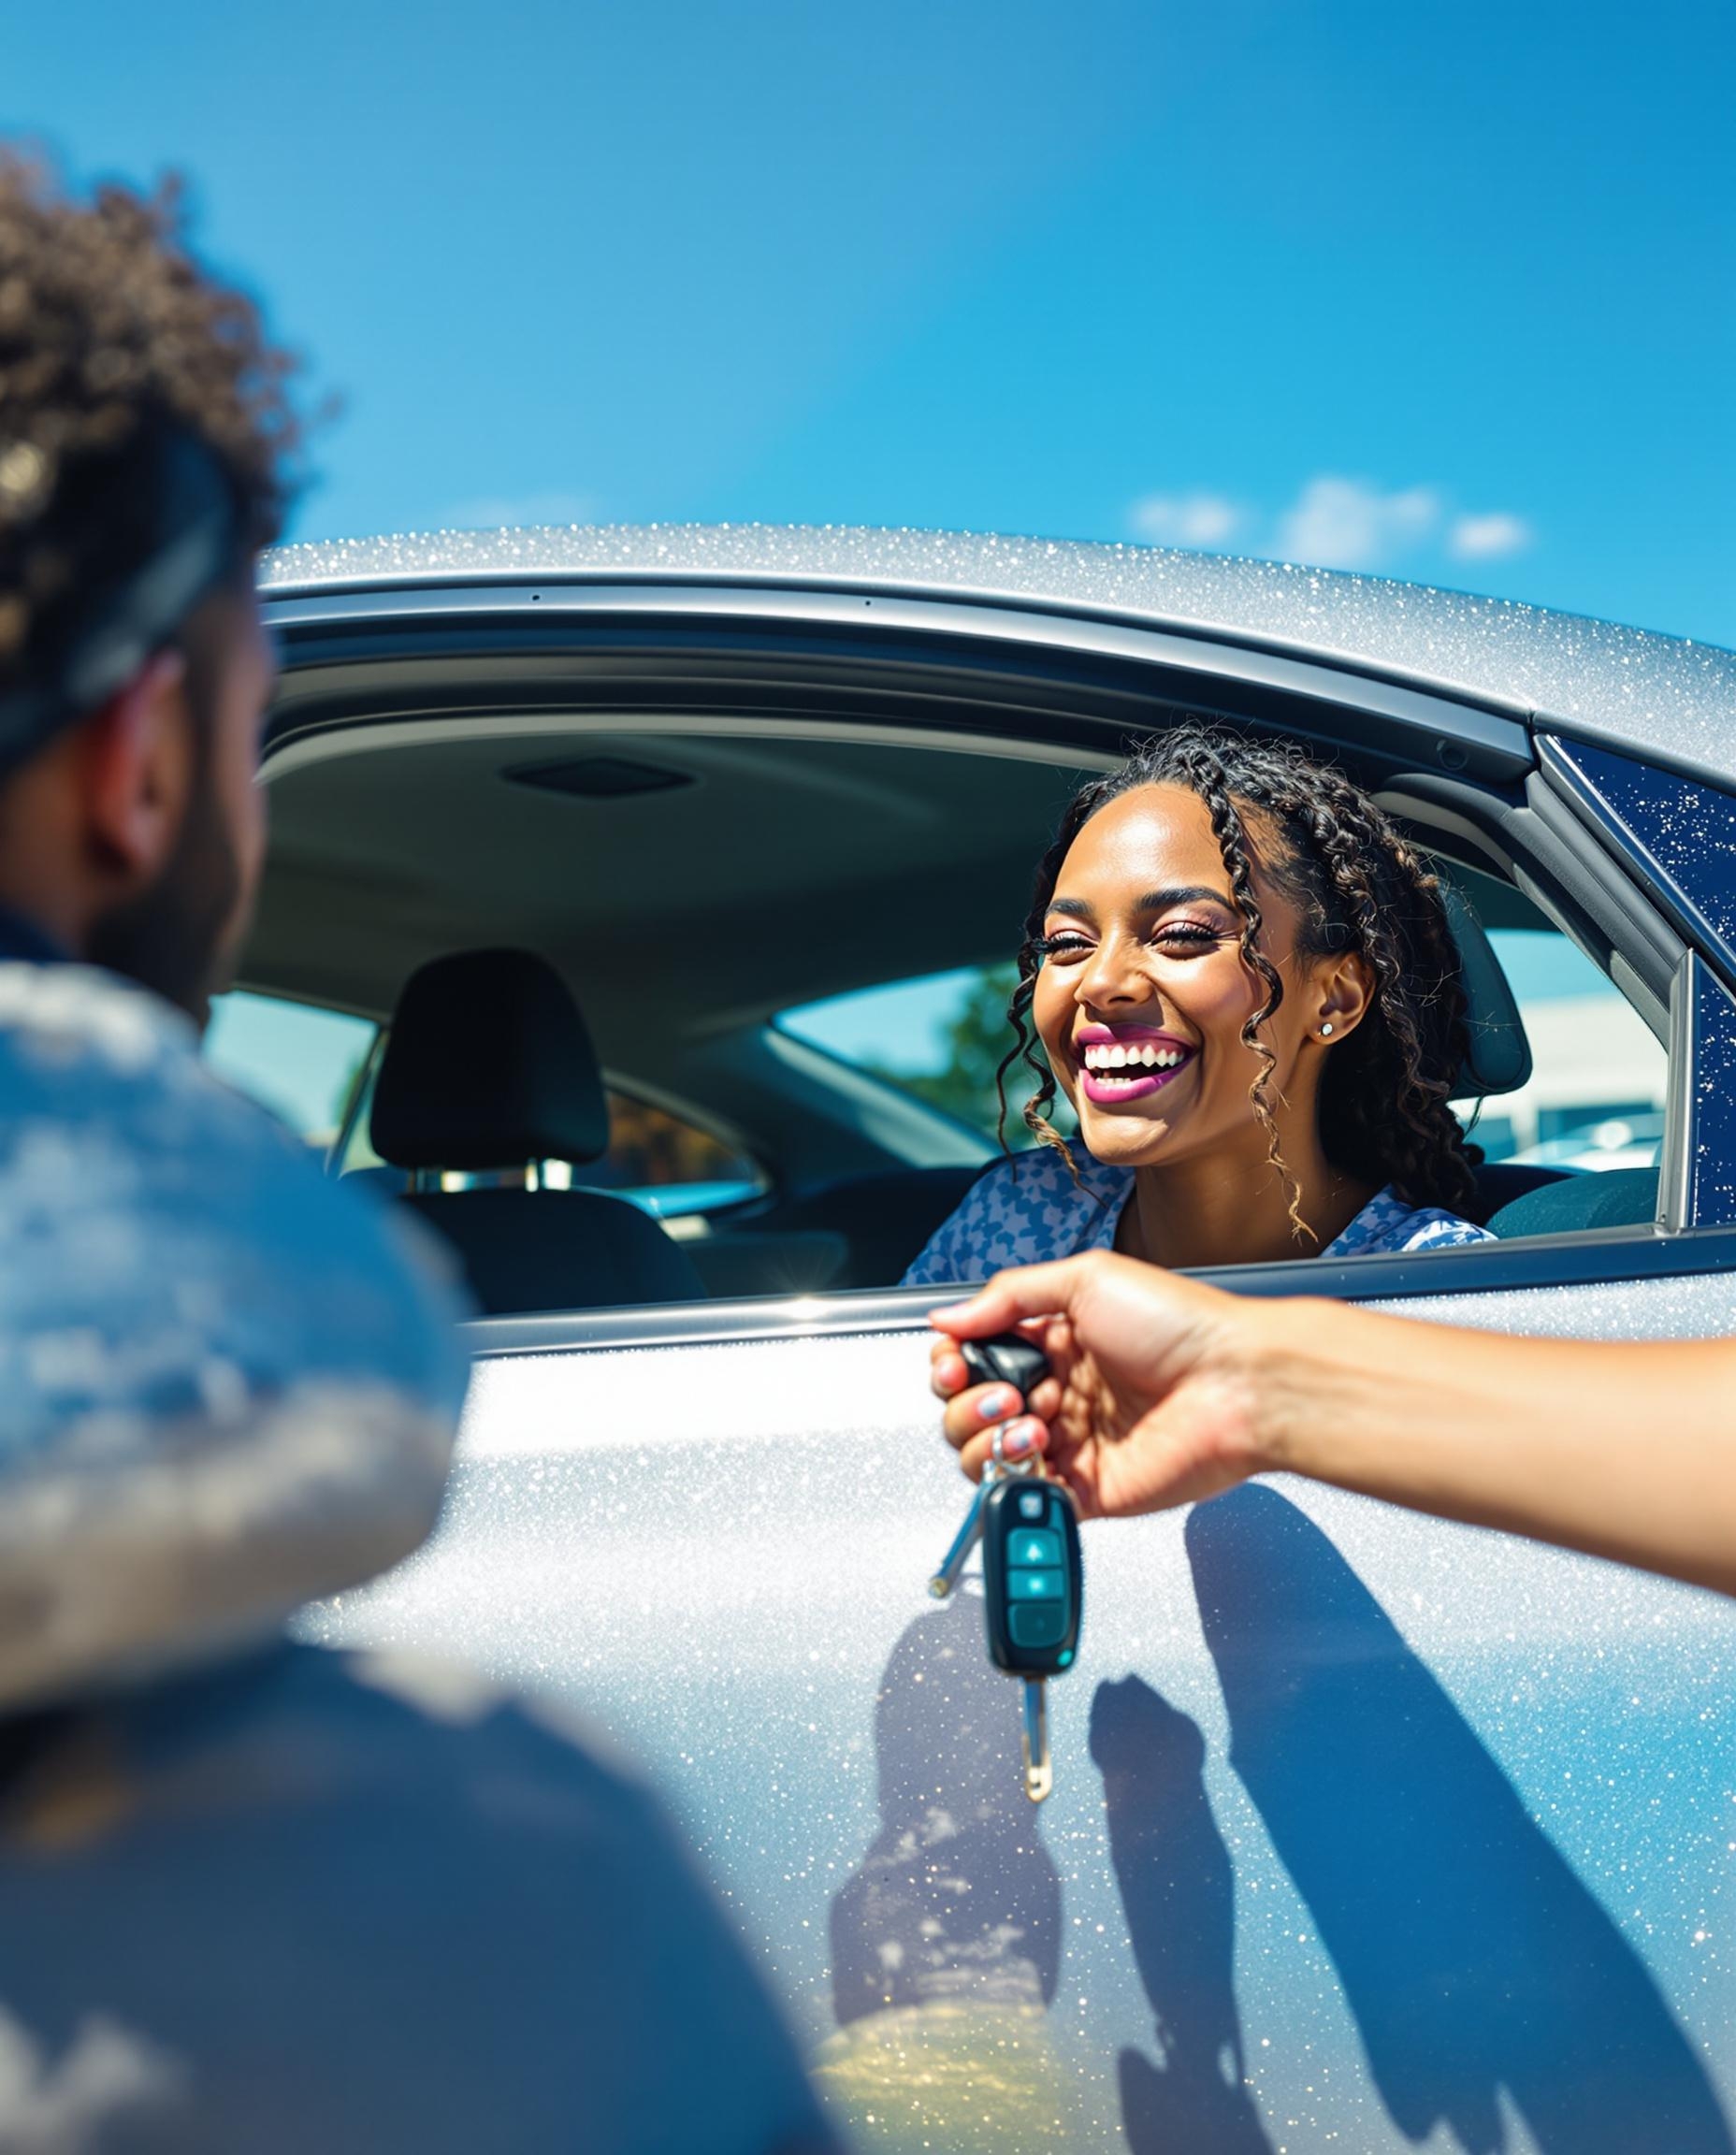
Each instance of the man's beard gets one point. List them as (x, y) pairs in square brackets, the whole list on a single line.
[(176, 938)]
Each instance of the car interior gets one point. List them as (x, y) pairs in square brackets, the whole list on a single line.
[(545, 916)]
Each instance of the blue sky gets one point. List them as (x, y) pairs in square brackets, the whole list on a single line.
[(1442, 290)]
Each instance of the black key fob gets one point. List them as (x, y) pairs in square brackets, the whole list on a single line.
[(1033, 1579), (1007, 1358)]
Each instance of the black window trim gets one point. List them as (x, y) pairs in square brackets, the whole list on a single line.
[(1084, 681)]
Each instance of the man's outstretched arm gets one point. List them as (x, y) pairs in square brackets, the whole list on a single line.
[(1165, 1391)]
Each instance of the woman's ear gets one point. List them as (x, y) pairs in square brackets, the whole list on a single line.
[(136, 768), (1342, 991)]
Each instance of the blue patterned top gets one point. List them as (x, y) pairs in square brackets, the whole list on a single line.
[(1026, 1211)]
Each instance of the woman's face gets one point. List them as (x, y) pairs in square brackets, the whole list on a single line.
[(1141, 999)]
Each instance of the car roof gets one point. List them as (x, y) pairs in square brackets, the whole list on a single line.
[(1666, 695)]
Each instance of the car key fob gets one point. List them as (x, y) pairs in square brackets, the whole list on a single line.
[(1032, 1578), (1007, 1358)]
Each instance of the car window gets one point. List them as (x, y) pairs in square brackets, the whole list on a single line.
[(301, 1061), (667, 1165), (940, 1036), (1595, 1098)]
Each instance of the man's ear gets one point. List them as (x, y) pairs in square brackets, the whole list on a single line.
[(135, 770)]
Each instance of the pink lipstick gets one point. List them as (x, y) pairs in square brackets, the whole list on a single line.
[(1121, 1064)]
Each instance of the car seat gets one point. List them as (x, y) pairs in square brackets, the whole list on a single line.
[(488, 1066), (1575, 1203)]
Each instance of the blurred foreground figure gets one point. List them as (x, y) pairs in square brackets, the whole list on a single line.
[(253, 1896)]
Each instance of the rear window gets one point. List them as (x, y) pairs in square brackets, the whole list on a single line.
[(1595, 1096), (667, 1165)]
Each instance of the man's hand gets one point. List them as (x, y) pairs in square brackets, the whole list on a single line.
[(1163, 1391), (1152, 1401)]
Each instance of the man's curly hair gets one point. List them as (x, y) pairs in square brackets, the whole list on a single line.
[(1357, 884), (112, 336)]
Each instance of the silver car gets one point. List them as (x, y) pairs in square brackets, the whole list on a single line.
[(648, 881)]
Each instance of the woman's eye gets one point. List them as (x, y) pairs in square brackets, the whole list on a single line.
[(1187, 935), (1062, 946)]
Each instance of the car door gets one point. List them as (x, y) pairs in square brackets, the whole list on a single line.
[(1368, 1831)]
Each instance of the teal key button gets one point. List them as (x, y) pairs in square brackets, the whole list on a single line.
[(1037, 1622), (1028, 1547), (1036, 1585)]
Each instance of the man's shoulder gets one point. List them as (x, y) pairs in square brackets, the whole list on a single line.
[(145, 1200), (108, 1075), (91, 1062)]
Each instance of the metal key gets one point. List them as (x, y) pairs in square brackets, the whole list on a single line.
[(1032, 1573), (963, 1541)]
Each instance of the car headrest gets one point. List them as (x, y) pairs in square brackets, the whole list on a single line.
[(488, 1064), (1500, 1058)]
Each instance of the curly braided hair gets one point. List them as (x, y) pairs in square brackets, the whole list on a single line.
[(112, 334), (1356, 885)]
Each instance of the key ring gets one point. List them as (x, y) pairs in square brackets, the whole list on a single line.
[(1002, 1464)]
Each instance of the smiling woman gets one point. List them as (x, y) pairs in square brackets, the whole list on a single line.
[(1244, 982)]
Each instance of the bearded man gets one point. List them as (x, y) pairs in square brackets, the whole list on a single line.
[(252, 1895)]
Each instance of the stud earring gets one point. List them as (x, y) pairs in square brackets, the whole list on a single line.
[(1325, 1032)]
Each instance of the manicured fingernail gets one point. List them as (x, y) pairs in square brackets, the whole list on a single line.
[(1020, 1439), (997, 1406)]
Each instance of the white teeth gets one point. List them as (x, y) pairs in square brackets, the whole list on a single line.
[(1113, 1055)]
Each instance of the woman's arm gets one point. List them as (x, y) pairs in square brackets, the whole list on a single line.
[(1164, 1391)]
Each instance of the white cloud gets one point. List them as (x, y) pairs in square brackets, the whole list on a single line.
[(1185, 519), (1335, 523), (1339, 523), (1481, 537), (490, 513)]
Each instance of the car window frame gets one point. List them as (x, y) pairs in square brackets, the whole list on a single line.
[(1464, 763)]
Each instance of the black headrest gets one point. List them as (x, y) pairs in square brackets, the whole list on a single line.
[(1499, 1057), (489, 1065)]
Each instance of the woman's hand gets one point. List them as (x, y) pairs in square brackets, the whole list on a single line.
[(1151, 1401)]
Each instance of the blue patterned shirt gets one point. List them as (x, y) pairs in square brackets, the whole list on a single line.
[(1027, 1211), (229, 1384)]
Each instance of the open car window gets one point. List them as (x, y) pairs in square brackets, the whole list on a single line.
[(801, 1059)]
